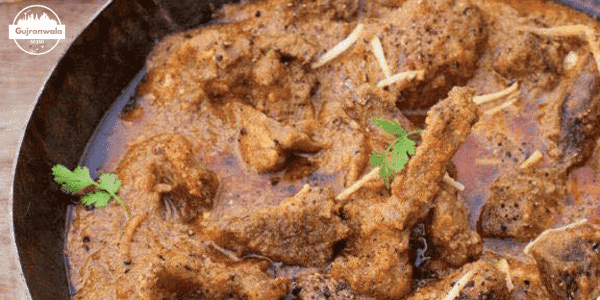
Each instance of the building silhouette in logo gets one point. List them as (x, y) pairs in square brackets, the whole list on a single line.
[(33, 20)]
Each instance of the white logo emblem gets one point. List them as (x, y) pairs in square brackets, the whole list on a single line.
[(36, 30)]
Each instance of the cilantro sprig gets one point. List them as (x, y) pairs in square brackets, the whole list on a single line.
[(393, 159), (75, 181)]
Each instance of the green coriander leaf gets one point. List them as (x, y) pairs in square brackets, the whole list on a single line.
[(399, 150), (109, 183), (77, 180), (386, 172), (72, 182), (399, 159), (391, 127), (409, 146), (378, 159), (98, 198)]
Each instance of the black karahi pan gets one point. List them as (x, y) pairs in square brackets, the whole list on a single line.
[(87, 80)]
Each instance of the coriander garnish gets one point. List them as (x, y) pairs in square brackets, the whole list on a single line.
[(393, 159), (74, 182)]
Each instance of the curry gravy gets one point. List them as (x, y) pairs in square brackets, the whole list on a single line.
[(234, 147)]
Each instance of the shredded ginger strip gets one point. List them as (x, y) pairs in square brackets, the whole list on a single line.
[(404, 76), (374, 174), (378, 51), (458, 286), (501, 107), (340, 47), (533, 160), (503, 266), (546, 232), (489, 97), (457, 185)]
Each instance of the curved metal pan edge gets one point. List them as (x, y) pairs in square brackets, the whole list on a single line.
[(103, 59)]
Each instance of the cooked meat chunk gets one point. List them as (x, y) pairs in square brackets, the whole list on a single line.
[(449, 231), (195, 274), (570, 118), (265, 143), (445, 42), (526, 55), (522, 204), (448, 125), (314, 285), (437, 37), (284, 87), (484, 281), (527, 283), (302, 230), (569, 260), (347, 148), (215, 65), (379, 261), (444, 240), (182, 66), (162, 173), (524, 277), (580, 120)]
